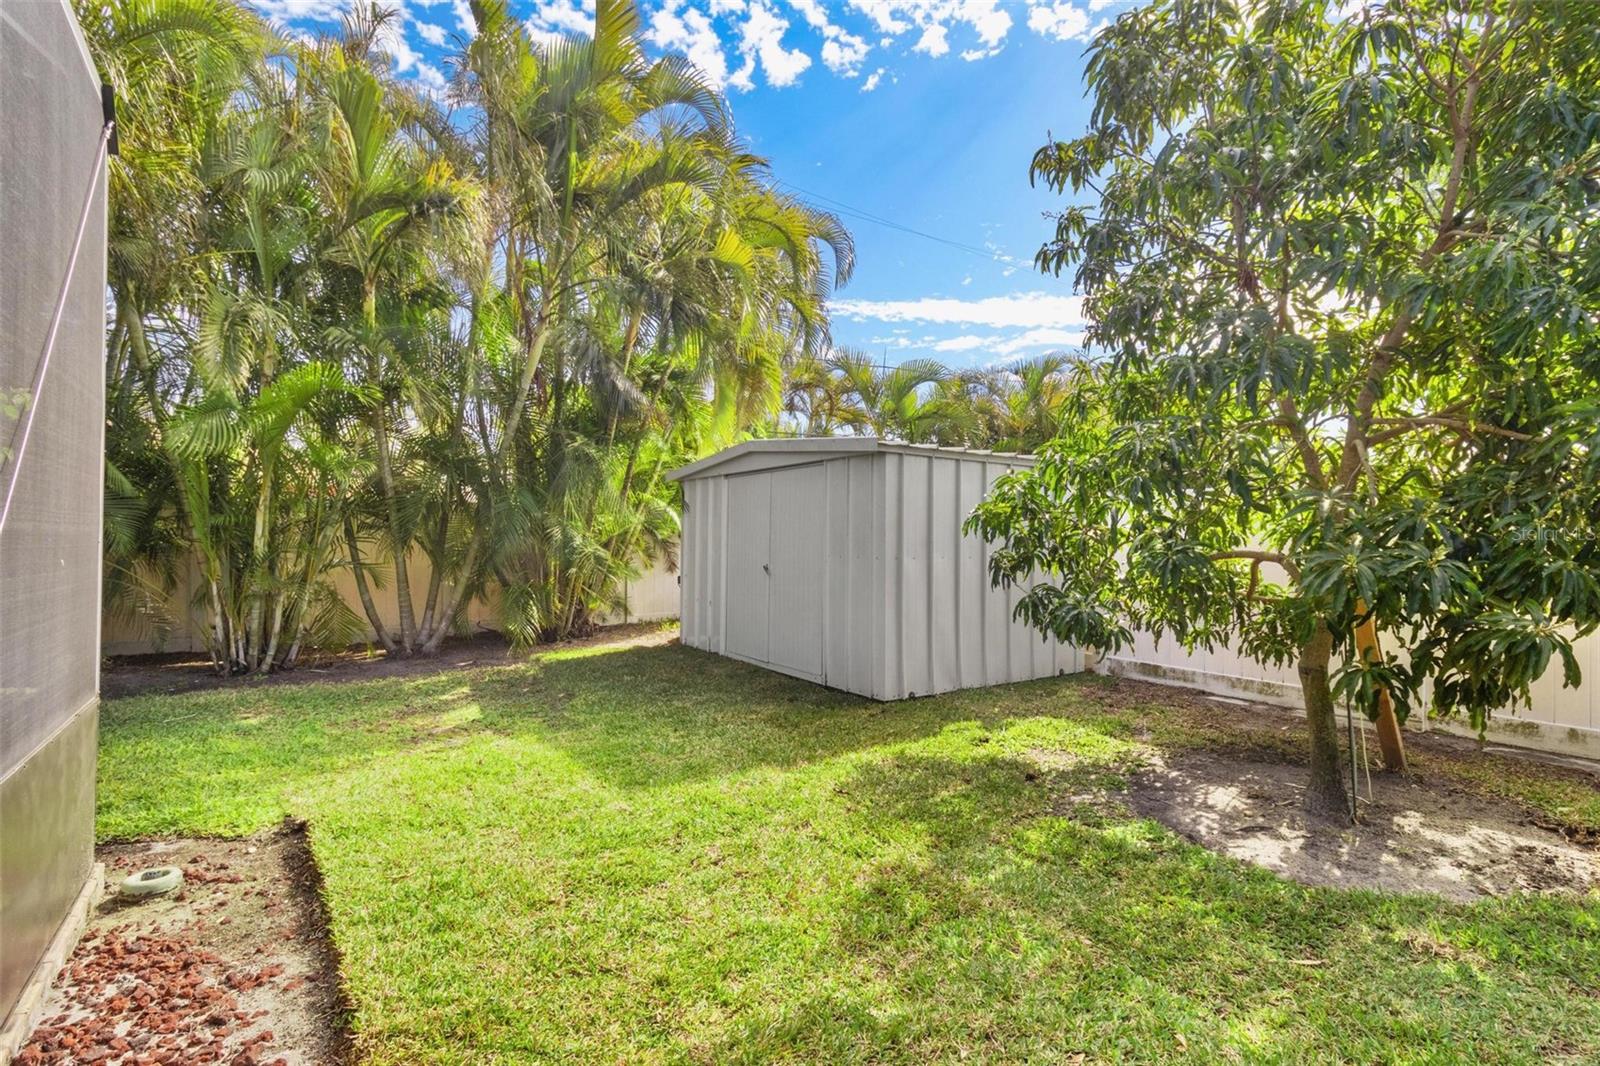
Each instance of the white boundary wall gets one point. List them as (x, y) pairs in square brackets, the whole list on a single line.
[(1562, 720)]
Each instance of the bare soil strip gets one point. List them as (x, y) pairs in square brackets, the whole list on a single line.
[(235, 968), (1414, 835)]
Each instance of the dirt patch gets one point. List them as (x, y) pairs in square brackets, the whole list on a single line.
[(1414, 836), (135, 675), (236, 968)]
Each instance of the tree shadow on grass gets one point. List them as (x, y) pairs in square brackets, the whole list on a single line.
[(632, 717), (1023, 936), (660, 716)]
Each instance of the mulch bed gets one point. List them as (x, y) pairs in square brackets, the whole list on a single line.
[(234, 969)]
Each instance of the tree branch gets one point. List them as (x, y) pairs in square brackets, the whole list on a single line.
[(1289, 419), (1448, 229), (1259, 556), (1465, 427)]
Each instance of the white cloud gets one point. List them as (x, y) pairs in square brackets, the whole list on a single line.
[(434, 35), (1059, 19), (431, 81), (1101, 5), (562, 17), (692, 34), (734, 41), (990, 20), (964, 343), (987, 19), (281, 12), (884, 16), (1007, 345), (392, 39), (1018, 310), (844, 53), (933, 41), (761, 36), (464, 20), (1040, 338), (813, 12)]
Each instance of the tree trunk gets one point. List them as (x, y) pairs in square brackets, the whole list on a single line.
[(452, 600), (435, 581), (258, 569), (362, 591), (402, 577), (1325, 791), (380, 434)]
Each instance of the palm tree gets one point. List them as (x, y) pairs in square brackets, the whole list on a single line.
[(173, 65), (357, 329), (389, 209), (643, 256)]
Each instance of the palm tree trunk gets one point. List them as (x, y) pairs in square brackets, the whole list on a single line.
[(524, 386), (400, 546), (314, 552), (380, 433), (362, 591), (258, 568), (435, 581), (453, 598)]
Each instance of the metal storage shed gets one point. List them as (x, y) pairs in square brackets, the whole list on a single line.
[(841, 560)]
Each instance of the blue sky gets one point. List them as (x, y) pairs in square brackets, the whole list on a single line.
[(918, 113)]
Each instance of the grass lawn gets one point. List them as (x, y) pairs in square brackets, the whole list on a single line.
[(649, 854)]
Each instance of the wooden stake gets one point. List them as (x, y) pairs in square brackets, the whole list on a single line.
[(1391, 744)]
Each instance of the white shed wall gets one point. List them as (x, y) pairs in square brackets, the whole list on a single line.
[(945, 626), (863, 552)]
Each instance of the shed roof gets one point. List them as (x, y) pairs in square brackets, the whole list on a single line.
[(783, 451)]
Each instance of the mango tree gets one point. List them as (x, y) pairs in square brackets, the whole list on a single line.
[(1342, 270)]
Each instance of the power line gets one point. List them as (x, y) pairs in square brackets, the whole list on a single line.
[(866, 216)]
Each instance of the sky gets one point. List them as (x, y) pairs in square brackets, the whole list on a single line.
[(913, 120)]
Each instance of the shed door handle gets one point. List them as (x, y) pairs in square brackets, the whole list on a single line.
[(767, 568)]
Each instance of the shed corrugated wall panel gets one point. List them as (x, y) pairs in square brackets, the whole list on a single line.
[(798, 558), (866, 619), (747, 607), (946, 627), (689, 567), (849, 574), (882, 588), (972, 581), (943, 532), (704, 557)]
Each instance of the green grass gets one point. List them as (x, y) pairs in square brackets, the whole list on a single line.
[(656, 855)]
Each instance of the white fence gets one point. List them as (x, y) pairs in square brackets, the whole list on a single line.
[(651, 597), (1564, 720)]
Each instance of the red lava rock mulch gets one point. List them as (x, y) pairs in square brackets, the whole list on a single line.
[(154, 1000), (234, 969)]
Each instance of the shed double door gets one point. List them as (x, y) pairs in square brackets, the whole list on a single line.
[(775, 568)]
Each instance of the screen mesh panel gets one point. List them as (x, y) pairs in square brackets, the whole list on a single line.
[(50, 545)]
